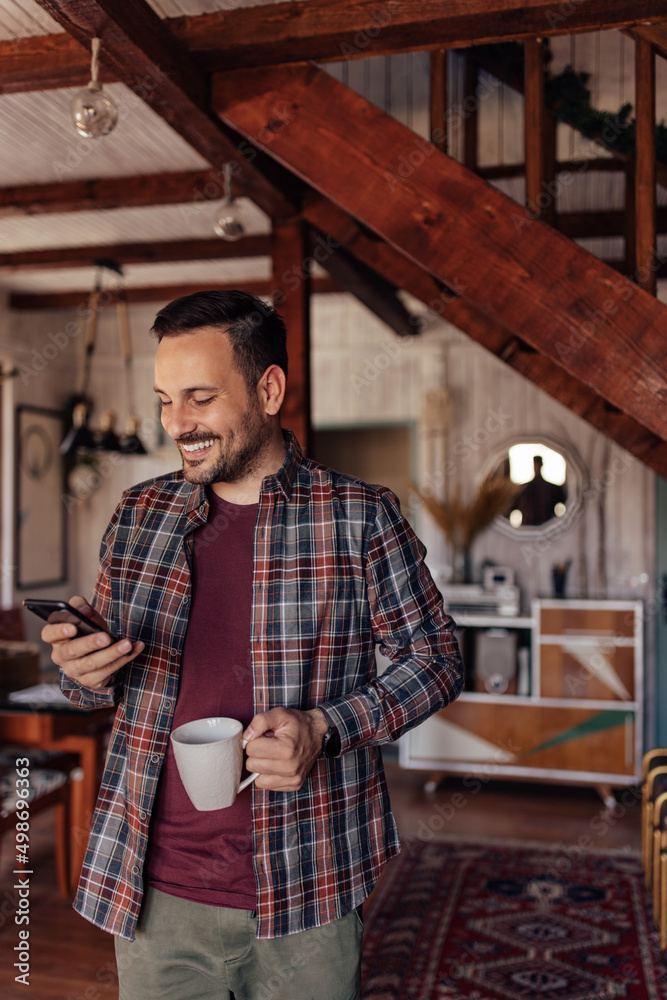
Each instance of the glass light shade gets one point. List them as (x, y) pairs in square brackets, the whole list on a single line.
[(94, 113), (229, 225)]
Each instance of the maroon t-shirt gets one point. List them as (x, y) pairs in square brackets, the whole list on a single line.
[(207, 856)]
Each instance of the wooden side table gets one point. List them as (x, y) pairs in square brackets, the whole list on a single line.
[(69, 730)]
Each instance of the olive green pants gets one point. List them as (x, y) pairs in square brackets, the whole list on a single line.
[(192, 951)]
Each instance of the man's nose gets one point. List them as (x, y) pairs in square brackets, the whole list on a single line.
[(177, 421)]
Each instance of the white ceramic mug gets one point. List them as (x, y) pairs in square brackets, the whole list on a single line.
[(209, 757)]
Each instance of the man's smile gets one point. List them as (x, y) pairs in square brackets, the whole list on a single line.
[(198, 448)]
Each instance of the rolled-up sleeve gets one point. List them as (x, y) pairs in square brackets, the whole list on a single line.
[(79, 695), (412, 630)]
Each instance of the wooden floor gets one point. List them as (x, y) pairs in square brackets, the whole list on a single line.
[(72, 960)]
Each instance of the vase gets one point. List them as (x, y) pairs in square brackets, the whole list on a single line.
[(461, 566)]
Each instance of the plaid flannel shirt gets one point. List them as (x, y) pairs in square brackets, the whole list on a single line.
[(336, 569)]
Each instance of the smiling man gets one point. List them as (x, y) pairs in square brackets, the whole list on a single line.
[(255, 584)]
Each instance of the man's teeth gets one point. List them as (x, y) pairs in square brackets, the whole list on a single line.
[(198, 446)]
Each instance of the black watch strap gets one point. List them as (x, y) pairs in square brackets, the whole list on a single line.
[(331, 739)]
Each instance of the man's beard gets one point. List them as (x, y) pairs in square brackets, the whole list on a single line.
[(242, 453)]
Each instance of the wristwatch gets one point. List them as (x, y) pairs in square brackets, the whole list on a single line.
[(331, 739)]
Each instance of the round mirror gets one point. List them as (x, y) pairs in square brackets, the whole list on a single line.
[(550, 479)]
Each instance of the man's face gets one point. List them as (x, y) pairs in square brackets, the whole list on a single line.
[(218, 425)]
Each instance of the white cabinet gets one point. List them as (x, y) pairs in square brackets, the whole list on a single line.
[(574, 715)]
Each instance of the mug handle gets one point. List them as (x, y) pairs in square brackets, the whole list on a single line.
[(251, 777)]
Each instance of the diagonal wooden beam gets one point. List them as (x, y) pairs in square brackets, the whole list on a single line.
[(322, 30), (548, 376), (369, 287), (136, 253), (141, 50), (549, 292)]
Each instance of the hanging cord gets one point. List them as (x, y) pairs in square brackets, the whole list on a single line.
[(227, 174), (125, 345), (95, 65), (91, 331)]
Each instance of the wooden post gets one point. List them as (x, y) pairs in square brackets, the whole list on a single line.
[(291, 297), (630, 223), (439, 99), (645, 222), (471, 116), (535, 127)]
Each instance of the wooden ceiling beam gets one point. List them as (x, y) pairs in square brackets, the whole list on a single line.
[(45, 62), (38, 301), (335, 224), (327, 30), (656, 34), (193, 189), (322, 30), (548, 291), (146, 56), (136, 253), (190, 188)]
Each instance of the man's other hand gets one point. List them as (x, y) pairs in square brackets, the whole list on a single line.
[(283, 745)]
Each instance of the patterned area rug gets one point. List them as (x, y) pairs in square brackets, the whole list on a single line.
[(492, 921)]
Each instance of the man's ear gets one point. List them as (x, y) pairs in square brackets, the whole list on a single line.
[(271, 389)]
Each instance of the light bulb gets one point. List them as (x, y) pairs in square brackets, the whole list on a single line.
[(94, 113)]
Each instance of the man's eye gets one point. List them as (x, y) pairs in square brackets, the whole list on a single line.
[(165, 402), (203, 402)]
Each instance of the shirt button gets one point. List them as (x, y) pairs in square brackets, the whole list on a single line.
[(173, 652), (155, 758), (142, 814), (135, 869), (167, 704)]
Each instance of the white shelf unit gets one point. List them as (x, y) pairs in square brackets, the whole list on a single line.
[(580, 722)]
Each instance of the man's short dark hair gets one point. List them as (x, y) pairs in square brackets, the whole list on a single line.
[(256, 332)]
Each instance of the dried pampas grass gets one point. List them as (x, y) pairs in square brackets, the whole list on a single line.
[(462, 522)]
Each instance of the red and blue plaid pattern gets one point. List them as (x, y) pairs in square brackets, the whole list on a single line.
[(337, 570)]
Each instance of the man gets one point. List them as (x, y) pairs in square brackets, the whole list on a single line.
[(254, 584)]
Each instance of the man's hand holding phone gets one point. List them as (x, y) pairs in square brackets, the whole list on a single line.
[(89, 659)]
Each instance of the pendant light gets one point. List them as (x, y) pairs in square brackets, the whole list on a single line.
[(230, 225), (94, 113)]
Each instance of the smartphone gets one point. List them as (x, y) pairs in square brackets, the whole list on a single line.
[(62, 613)]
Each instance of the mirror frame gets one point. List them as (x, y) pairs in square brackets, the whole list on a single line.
[(576, 479)]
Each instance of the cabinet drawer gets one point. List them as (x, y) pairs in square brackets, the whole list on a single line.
[(497, 738), (586, 669), (587, 621)]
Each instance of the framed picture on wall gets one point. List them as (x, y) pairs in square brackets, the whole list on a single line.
[(41, 525)]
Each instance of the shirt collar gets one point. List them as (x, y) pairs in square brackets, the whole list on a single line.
[(285, 477), (196, 501)]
